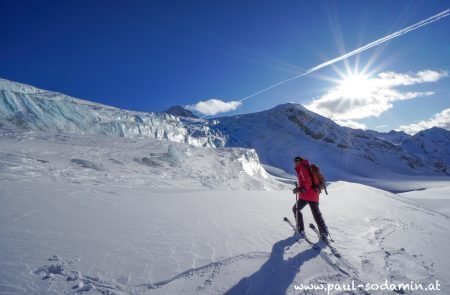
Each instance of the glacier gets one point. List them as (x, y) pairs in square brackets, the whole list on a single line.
[(29, 107)]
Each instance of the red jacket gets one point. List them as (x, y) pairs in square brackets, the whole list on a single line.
[(304, 180)]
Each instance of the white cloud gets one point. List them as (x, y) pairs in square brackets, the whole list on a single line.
[(351, 124), (397, 79), (213, 106), (441, 119), (371, 97)]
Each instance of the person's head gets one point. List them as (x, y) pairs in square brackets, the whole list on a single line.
[(297, 160)]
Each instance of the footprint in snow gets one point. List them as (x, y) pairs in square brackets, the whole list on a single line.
[(66, 272)]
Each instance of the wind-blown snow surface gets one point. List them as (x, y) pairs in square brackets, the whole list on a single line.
[(102, 215)]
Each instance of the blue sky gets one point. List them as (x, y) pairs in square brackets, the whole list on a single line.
[(150, 55)]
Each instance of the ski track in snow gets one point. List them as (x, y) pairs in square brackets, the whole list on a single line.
[(60, 272), (393, 258), (65, 271), (206, 275), (129, 197)]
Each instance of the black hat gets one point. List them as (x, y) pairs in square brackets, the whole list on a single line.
[(298, 159)]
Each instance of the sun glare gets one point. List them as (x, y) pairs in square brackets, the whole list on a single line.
[(355, 86)]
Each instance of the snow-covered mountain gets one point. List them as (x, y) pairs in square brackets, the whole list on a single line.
[(396, 137), (180, 112), (281, 133), (431, 145)]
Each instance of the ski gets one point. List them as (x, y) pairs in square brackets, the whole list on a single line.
[(304, 237), (326, 242), (338, 265)]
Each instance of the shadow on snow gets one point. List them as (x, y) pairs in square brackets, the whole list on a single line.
[(276, 275)]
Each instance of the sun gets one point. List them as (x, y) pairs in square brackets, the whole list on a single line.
[(355, 86)]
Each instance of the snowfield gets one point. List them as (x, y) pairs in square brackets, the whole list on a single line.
[(434, 197), (110, 215)]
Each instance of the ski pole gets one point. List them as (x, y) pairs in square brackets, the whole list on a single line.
[(296, 211), (331, 238)]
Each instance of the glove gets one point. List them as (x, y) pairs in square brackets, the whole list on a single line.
[(297, 190)]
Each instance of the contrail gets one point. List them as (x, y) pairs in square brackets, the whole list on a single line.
[(358, 50)]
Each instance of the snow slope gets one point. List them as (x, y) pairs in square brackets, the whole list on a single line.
[(435, 197), (432, 145), (395, 137), (88, 215)]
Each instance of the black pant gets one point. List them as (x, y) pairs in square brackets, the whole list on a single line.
[(315, 212)]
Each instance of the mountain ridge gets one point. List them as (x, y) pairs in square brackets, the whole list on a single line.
[(337, 148)]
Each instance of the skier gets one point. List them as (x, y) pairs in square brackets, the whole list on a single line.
[(307, 195)]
